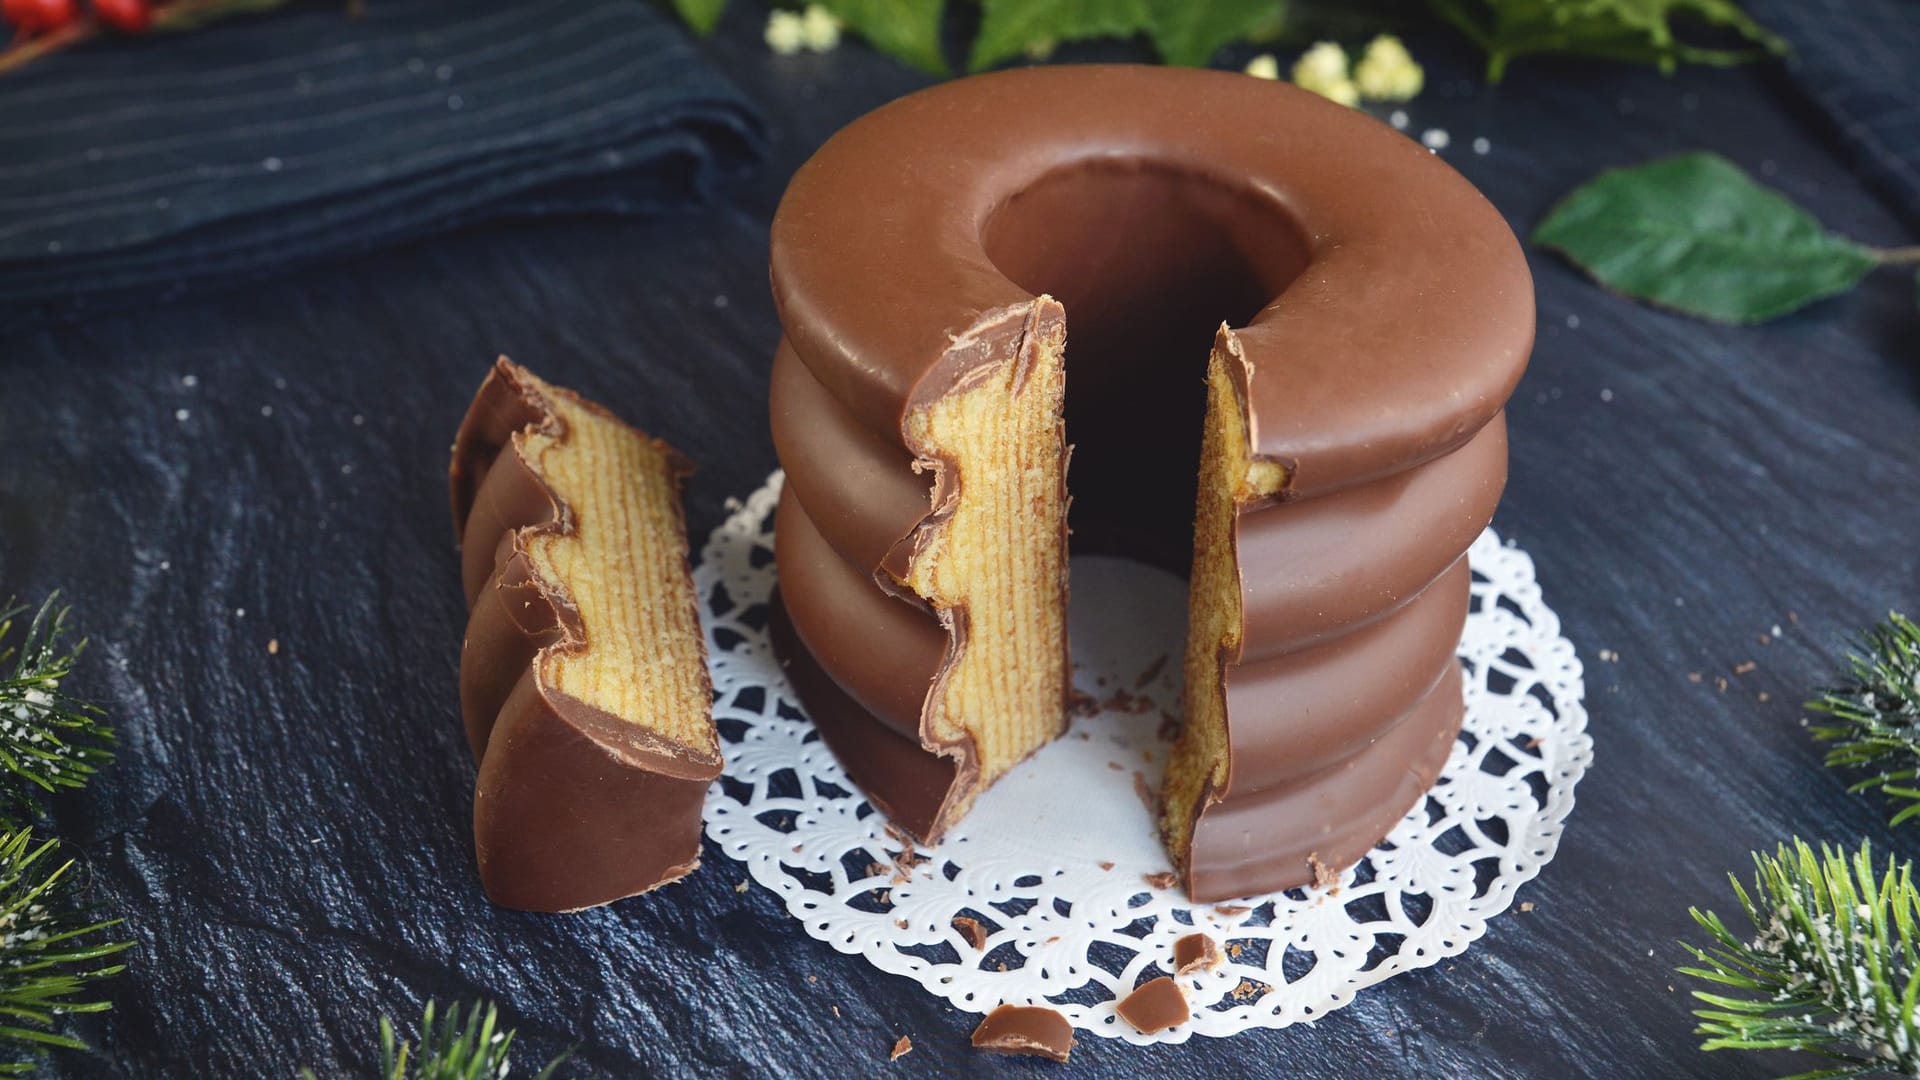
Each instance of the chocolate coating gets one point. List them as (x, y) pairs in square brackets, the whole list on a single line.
[(1025, 1029), (572, 807), (1374, 312)]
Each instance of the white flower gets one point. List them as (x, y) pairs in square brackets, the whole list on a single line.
[(1263, 66), (1387, 72), (786, 32), (819, 29), (1323, 70)]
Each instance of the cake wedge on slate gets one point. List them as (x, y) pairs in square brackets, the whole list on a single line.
[(583, 678)]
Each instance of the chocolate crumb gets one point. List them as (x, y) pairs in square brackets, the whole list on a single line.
[(1720, 683), (1169, 728), (1106, 865), (1233, 949), (1744, 667), (1250, 988), (875, 869), (1231, 910), (1084, 737), (1051, 940), (1693, 676), (901, 923), (1165, 879), (1196, 952), (1002, 965), (1152, 672), (1766, 639), (1526, 905), (901, 1049), (1025, 1029), (971, 929), (1141, 789), (1764, 697), (1081, 703), (813, 978), (1322, 876), (1793, 617), (1533, 743), (1154, 1006), (1116, 766), (273, 646), (900, 836), (742, 887), (836, 1011)]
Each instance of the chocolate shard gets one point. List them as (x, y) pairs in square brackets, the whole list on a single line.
[(1195, 953), (1154, 1006), (1025, 1029), (583, 677)]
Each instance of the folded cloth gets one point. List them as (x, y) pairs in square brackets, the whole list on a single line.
[(1859, 61), (152, 165)]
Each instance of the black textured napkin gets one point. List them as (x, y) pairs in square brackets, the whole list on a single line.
[(1859, 60), (151, 165)]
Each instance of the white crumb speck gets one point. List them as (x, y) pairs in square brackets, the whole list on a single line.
[(1776, 629), (1769, 167), (239, 613), (181, 415), (279, 384), (166, 564), (359, 420), (1482, 145), (346, 470), (454, 102), (721, 301), (53, 247), (1573, 322), (1398, 118), (1435, 138), (443, 72), (266, 410), (272, 164), (1606, 394), (189, 380)]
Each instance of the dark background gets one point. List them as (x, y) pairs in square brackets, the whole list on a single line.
[(288, 835)]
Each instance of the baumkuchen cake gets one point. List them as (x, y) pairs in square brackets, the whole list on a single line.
[(975, 276), (583, 679)]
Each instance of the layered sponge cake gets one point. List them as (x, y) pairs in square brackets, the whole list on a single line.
[(1273, 336)]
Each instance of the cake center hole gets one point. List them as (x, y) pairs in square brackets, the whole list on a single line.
[(1149, 258)]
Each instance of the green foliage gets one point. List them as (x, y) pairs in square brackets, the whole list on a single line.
[(1696, 234), (702, 15), (45, 966), (48, 740), (1008, 27), (907, 30), (473, 1048), (1874, 715), (1636, 31), (1829, 967), (1189, 32)]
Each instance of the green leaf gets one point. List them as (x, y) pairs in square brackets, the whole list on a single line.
[(1695, 234), (702, 15), (907, 30), (1634, 31), (1009, 27), (1189, 32)]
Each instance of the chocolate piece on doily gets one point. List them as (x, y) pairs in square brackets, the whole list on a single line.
[(901, 1048), (1154, 1006), (1196, 952), (971, 929), (1025, 1029)]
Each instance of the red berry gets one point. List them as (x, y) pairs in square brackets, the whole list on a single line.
[(127, 16), (37, 16)]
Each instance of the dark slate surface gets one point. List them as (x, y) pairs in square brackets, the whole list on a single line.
[(287, 835)]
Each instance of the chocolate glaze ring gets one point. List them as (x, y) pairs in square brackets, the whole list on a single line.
[(1368, 312)]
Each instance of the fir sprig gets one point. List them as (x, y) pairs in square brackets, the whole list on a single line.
[(473, 1048), (48, 740), (50, 953), (1829, 968), (1874, 716)]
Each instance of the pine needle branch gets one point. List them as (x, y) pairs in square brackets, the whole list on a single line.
[(50, 954), (1830, 967), (455, 1048), (1874, 716), (48, 740)]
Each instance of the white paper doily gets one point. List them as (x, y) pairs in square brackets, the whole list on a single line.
[(1052, 860)]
